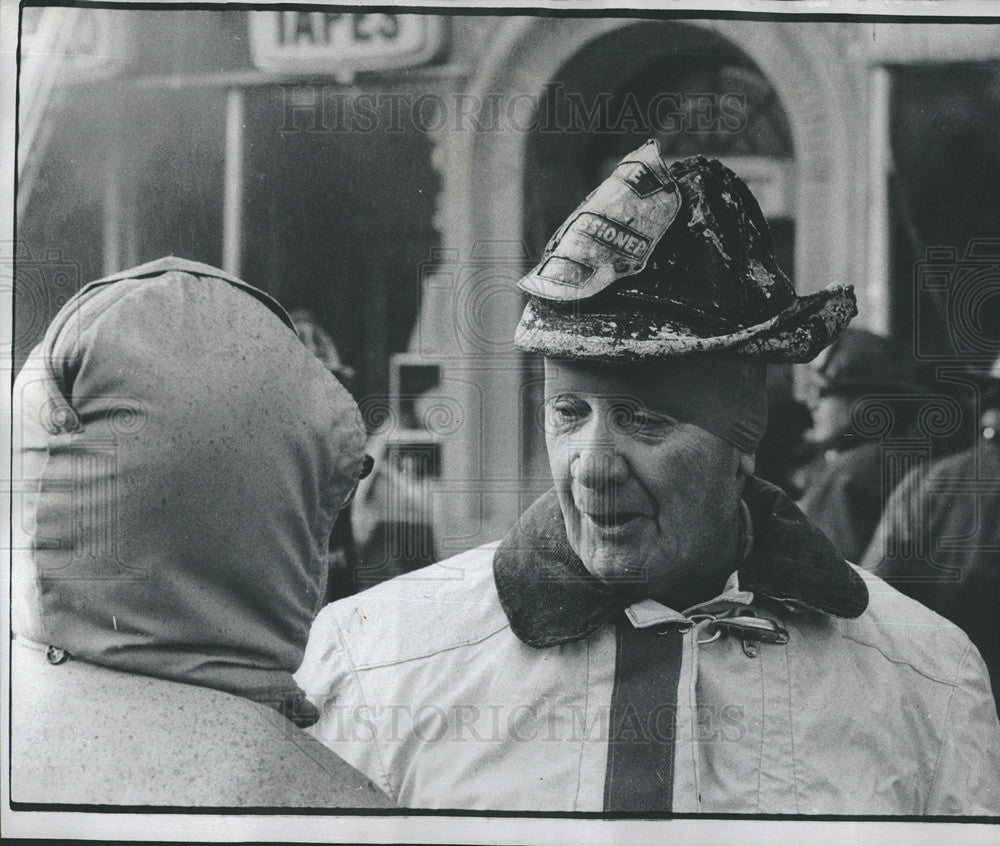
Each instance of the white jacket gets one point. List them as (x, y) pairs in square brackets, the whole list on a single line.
[(425, 686)]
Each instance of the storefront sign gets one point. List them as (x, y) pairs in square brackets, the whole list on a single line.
[(87, 41), (337, 43)]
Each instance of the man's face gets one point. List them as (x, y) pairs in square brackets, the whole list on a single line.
[(831, 415), (645, 498)]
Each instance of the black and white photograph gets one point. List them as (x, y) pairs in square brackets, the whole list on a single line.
[(550, 422)]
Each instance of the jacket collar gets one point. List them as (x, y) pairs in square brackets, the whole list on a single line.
[(549, 597)]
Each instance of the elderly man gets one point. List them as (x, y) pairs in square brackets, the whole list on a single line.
[(661, 632)]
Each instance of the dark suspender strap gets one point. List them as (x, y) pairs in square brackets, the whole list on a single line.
[(643, 720)]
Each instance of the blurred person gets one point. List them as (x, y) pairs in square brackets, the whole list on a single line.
[(183, 458), (393, 518), (783, 447), (343, 565), (939, 538), (661, 632), (843, 490), (387, 529), (319, 342)]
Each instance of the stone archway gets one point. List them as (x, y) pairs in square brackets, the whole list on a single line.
[(481, 206)]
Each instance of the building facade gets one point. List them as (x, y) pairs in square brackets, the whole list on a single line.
[(396, 177)]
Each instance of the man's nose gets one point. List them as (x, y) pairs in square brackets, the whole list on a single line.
[(598, 465)]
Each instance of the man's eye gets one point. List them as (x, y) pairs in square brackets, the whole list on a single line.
[(564, 412), (634, 417)]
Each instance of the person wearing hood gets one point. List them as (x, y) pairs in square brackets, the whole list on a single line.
[(661, 632), (939, 537), (182, 458), (844, 491)]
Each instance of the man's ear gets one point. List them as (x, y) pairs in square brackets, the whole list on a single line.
[(748, 463)]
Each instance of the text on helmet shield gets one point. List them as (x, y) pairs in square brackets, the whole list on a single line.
[(612, 233)]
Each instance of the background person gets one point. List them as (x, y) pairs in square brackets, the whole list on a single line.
[(387, 529), (343, 548), (939, 538), (844, 491), (183, 458)]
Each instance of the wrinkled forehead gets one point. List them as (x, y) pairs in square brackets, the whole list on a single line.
[(655, 380), (723, 394), (611, 381)]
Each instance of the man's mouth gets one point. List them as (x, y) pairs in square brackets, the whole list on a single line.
[(612, 519)]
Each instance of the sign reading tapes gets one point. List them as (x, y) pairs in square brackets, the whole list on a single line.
[(333, 42)]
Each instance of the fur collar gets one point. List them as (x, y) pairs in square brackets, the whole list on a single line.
[(550, 598)]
